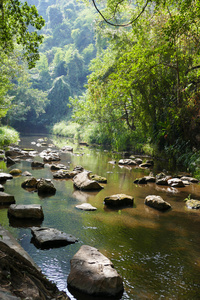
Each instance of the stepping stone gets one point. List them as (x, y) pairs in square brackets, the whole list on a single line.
[(6, 198), (119, 200), (44, 237), (30, 211), (5, 176), (86, 206), (157, 202)]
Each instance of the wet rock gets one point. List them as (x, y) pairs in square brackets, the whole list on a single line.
[(86, 206), (98, 178), (64, 174), (82, 181), (1, 188), (5, 176), (51, 157), (26, 173), (113, 162), (193, 204), (29, 211), (37, 164), (119, 200), (15, 172), (10, 161), (67, 149), (145, 165), (140, 180), (157, 202), (127, 161), (45, 186), (6, 198), (138, 161), (93, 273), (176, 182), (162, 181), (190, 179), (14, 152), (78, 169), (30, 183), (45, 238), (55, 167)]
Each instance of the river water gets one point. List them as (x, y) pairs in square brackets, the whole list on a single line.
[(156, 253)]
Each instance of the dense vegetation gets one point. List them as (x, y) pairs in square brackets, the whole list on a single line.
[(98, 80)]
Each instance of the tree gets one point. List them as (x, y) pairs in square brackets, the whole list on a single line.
[(20, 24)]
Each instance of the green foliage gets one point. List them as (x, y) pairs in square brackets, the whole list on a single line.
[(20, 23), (8, 135), (67, 129)]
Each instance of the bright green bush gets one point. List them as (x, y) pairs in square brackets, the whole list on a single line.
[(8, 135)]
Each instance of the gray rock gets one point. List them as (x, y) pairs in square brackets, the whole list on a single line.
[(119, 200), (86, 206), (157, 202), (5, 176), (6, 198), (193, 204), (10, 161), (45, 238), (82, 181), (138, 161), (98, 178), (1, 188), (29, 211), (176, 182), (162, 181), (93, 273), (45, 186), (26, 173), (145, 165), (55, 167), (64, 174), (30, 183)]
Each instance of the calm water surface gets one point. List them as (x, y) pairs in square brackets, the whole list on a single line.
[(156, 253)]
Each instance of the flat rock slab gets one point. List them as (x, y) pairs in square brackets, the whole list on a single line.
[(86, 206), (193, 204), (45, 238), (5, 176), (6, 198), (157, 202), (30, 211), (119, 200), (93, 273), (82, 181)]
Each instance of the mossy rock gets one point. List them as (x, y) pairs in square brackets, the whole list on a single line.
[(193, 204), (98, 178)]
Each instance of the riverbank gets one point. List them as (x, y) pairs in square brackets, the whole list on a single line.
[(20, 277)]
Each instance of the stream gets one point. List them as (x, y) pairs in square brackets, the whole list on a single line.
[(156, 253)]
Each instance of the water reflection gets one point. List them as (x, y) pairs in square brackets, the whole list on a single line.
[(156, 253)]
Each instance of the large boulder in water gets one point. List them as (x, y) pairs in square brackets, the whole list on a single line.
[(93, 273), (82, 181), (157, 202)]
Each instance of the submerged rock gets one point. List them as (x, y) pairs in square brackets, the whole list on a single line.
[(29, 211), (93, 273), (157, 202), (37, 164), (45, 238), (82, 181), (15, 172), (119, 200)]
